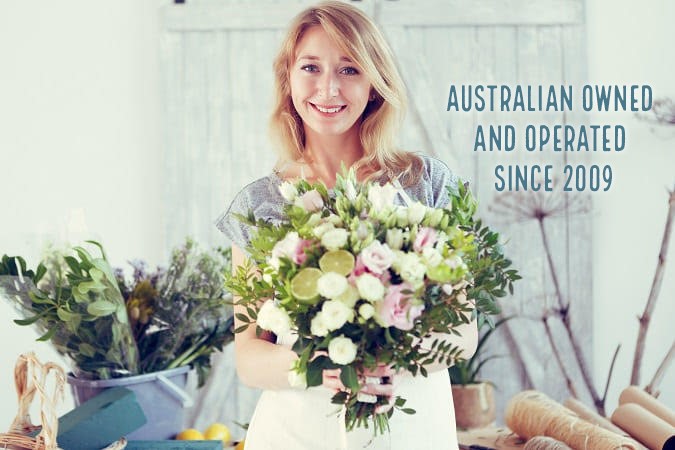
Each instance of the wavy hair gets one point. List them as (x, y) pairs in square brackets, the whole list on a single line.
[(358, 37)]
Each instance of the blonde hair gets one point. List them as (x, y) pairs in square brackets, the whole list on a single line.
[(358, 37)]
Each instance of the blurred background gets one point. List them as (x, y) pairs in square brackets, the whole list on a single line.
[(135, 123)]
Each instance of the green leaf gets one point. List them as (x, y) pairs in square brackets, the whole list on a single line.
[(48, 335), (101, 308), (28, 321), (349, 378)]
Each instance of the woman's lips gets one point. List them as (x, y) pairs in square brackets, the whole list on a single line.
[(328, 110)]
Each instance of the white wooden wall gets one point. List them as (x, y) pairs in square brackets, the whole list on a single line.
[(217, 75)]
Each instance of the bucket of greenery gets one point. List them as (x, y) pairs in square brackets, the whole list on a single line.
[(144, 331), (474, 398)]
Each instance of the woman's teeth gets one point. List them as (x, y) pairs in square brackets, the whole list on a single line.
[(328, 110)]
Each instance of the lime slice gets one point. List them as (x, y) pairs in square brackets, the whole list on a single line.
[(338, 261), (304, 285)]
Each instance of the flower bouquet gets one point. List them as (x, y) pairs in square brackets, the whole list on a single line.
[(363, 282), (111, 326)]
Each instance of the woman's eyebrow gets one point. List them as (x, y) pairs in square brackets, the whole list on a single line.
[(316, 58)]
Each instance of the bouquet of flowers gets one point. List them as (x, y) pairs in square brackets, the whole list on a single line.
[(362, 281), (111, 326)]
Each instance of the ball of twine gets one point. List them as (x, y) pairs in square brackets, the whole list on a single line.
[(532, 413), (545, 443)]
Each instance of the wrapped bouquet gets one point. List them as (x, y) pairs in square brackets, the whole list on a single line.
[(362, 282)]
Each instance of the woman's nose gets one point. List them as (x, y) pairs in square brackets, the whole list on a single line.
[(329, 85)]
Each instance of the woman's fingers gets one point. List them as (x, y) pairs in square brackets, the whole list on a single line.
[(331, 380)]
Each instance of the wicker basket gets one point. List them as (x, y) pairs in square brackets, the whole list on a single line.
[(30, 376)]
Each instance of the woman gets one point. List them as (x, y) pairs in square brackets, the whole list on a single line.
[(339, 101)]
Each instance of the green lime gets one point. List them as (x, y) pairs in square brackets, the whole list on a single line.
[(338, 261), (304, 285)]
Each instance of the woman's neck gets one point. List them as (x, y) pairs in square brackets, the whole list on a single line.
[(325, 155)]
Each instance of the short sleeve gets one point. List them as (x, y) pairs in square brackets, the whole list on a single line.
[(235, 230), (441, 177)]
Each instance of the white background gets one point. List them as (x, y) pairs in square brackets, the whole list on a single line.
[(80, 157)]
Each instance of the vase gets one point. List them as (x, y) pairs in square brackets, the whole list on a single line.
[(161, 396), (474, 405)]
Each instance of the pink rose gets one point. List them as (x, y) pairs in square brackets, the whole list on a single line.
[(377, 257), (426, 237), (299, 256), (310, 200), (360, 268), (396, 310)]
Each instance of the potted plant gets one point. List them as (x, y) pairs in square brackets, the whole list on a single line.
[(474, 398), (139, 332)]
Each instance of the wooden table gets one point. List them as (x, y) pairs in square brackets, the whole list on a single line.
[(498, 438)]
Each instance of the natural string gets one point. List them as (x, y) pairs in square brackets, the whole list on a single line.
[(531, 413)]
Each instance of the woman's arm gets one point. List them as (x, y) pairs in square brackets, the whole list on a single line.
[(260, 362)]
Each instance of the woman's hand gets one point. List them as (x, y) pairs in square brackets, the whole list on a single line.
[(381, 381)]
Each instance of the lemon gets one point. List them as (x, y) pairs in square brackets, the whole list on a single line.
[(190, 435), (338, 261), (240, 445), (304, 285), (218, 432)]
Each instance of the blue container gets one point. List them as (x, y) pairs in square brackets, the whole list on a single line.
[(161, 395)]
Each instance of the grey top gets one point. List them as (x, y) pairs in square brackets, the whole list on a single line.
[(262, 196)]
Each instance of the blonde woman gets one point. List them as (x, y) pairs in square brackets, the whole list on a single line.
[(339, 100)]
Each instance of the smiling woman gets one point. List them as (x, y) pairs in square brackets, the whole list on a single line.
[(339, 101)]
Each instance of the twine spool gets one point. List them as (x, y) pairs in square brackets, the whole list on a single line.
[(545, 443), (531, 413)]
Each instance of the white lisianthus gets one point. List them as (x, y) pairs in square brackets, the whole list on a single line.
[(350, 191), (318, 326), (370, 287), (435, 217), (349, 296), (285, 247), (416, 213), (331, 285), (288, 191), (342, 350), (395, 238), (431, 256), (402, 216), (267, 277), (335, 314), (321, 229), (314, 219), (454, 261), (334, 239), (381, 197), (335, 220), (366, 311), (377, 257), (310, 201), (274, 319)]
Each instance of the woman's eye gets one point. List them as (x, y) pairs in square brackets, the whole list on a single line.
[(310, 68), (349, 71)]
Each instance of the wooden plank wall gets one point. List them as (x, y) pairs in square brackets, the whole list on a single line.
[(217, 83)]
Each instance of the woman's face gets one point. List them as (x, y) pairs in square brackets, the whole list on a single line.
[(329, 91)]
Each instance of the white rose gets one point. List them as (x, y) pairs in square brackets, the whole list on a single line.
[(370, 287), (395, 238), (318, 326), (431, 256), (274, 319), (297, 380), (288, 191), (349, 296), (416, 213), (366, 311), (334, 239), (381, 197), (377, 257), (331, 285), (320, 230), (410, 267), (342, 350), (285, 247), (336, 314)]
